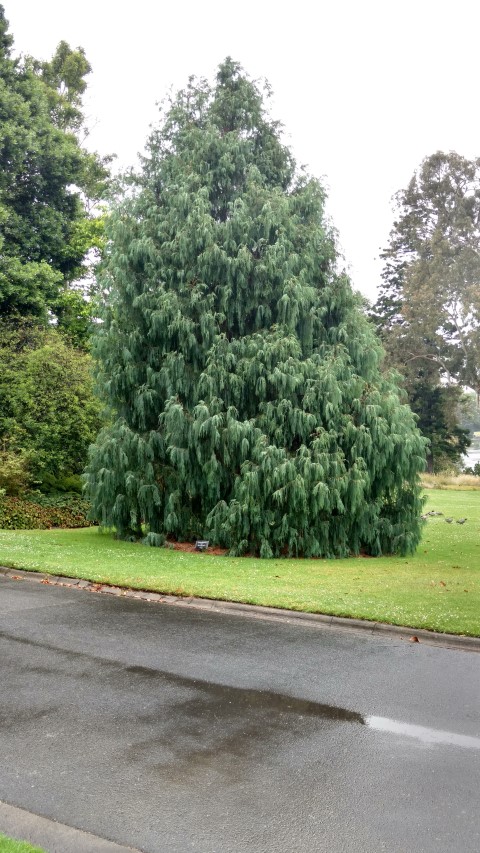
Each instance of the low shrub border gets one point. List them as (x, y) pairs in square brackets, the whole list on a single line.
[(20, 514)]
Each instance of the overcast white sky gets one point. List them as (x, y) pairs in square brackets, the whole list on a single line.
[(365, 89)]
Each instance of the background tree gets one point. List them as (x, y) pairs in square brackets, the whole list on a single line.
[(470, 413), (250, 404), (48, 184), (50, 187), (428, 311), (65, 75)]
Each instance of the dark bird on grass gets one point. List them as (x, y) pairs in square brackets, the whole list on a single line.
[(449, 520), (461, 520)]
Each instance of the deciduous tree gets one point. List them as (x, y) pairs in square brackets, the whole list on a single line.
[(47, 183), (428, 311)]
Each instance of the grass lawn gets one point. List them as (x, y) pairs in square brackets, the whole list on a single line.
[(9, 845), (438, 588)]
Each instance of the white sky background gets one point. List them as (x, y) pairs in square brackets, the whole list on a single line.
[(365, 90)]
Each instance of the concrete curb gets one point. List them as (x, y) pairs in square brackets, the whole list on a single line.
[(319, 620), (51, 835)]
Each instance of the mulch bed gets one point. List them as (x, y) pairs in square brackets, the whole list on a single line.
[(189, 548)]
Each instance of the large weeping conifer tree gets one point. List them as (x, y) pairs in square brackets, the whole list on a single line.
[(249, 403)]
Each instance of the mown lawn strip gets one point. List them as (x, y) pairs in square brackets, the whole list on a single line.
[(437, 588)]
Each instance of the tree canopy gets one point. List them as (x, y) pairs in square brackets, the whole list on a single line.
[(248, 402), (47, 184), (428, 311)]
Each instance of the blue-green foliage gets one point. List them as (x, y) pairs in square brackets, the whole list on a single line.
[(251, 405)]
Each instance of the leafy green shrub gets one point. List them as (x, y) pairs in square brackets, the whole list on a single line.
[(18, 514), (70, 483), (65, 500), (14, 473), (49, 414)]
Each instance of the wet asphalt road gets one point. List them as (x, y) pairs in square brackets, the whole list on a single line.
[(171, 730)]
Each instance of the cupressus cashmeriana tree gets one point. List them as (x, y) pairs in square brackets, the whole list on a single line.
[(250, 404)]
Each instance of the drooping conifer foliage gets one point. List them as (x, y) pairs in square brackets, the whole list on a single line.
[(246, 384)]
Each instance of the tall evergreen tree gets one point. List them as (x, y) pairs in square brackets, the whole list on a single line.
[(250, 405)]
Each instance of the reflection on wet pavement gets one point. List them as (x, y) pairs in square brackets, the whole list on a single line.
[(422, 733)]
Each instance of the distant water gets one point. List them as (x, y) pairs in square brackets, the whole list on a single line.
[(472, 456)]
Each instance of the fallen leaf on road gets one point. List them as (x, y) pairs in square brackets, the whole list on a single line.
[(414, 639)]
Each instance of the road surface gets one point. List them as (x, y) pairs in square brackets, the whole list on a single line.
[(169, 730)]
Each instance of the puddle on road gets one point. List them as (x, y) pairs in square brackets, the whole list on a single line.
[(190, 707), (225, 701), (210, 727)]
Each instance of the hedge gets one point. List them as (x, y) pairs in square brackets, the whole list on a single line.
[(18, 514)]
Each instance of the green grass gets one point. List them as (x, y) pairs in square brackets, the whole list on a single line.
[(438, 588), (10, 845)]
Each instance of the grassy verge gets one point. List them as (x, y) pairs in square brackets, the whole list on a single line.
[(438, 588), (10, 845)]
